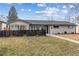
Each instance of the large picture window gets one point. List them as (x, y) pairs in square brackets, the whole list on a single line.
[(70, 27), (56, 26)]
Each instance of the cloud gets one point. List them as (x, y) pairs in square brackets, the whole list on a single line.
[(29, 10), (9, 3), (53, 12), (65, 11), (41, 4), (64, 6), (22, 9), (68, 6), (37, 11), (19, 3), (49, 11), (71, 6)]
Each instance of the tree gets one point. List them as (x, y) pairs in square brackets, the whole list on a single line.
[(12, 13)]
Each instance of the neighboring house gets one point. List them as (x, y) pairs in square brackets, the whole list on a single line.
[(77, 28), (52, 27), (2, 25)]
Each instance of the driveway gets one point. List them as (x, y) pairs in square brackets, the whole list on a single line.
[(67, 39)]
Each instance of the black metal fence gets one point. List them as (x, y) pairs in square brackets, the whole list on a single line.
[(22, 33)]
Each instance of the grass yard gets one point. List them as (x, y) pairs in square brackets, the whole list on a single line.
[(37, 46), (71, 36)]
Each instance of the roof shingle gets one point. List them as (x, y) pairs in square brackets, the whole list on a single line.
[(45, 22)]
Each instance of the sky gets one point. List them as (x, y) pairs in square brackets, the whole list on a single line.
[(42, 11)]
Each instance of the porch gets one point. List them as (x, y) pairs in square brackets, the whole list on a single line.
[(40, 27)]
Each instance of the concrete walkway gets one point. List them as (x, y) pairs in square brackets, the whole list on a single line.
[(67, 39)]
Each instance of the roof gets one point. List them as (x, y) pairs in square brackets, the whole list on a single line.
[(2, 22), (44, 22), (12, 21)]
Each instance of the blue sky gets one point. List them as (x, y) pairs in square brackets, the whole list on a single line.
[(43, 11)]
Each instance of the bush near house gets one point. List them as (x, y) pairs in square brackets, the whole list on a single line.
[(35, 32), (17, 33), (6, 33)]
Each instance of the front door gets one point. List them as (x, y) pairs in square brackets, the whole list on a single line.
[(46, 28)]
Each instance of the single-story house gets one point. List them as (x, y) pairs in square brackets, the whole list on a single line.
[(52, 27), (2, 25)]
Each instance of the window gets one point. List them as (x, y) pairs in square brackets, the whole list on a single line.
[(23, 27), (11, 26), (51, 27), (56, 26), (70, 27), (0, 26), (37, 27), (18, 27), (32, 28)]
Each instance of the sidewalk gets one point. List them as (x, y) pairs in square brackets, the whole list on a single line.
[(67, 39)]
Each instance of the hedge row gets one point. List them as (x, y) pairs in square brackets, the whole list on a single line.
[(35, 32), (22, 33)]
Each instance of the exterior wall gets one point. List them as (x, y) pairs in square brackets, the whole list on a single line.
[(77, 28), (0, 26), (51, 29), (35, 27), (62, 29), (40, 27), (13, 25), (3, 26)]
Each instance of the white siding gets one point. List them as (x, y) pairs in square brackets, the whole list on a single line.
[(51, 29), (35, 27), (3, 26), (12, 25), (61, 29)]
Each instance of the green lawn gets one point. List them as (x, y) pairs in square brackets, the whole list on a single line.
[(37, 45)]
